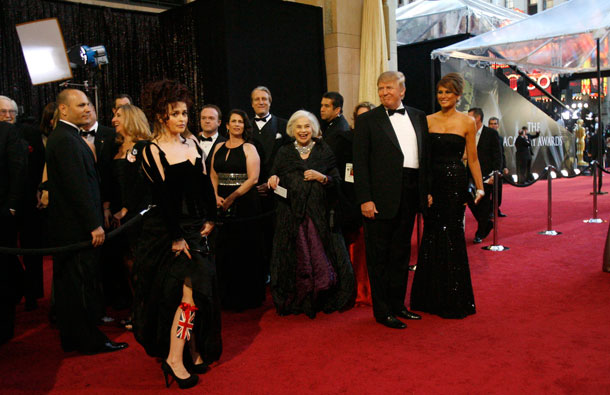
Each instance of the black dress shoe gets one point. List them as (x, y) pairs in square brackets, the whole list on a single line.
[(392, 322), (109, 346), (404, 313), (477, 240), (501, 214)]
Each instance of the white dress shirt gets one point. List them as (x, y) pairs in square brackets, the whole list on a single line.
[(206, 146), (261, 124), (407, 139)]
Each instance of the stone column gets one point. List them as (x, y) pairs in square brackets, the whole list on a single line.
[(342, 27)]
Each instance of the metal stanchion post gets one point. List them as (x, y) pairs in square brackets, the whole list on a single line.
[(549, 223), (495, 246), (594, 220)]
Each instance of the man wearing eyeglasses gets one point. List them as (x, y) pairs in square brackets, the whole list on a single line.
[(8, 110)]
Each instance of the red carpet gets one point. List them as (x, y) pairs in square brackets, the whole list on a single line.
[(542, 326)]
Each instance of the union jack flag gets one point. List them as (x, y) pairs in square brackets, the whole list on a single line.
[(186, 322)]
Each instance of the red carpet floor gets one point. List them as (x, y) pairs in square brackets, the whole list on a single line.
[(542, 326)]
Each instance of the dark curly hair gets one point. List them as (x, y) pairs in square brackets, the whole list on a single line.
[(157, 97), (247, 135)]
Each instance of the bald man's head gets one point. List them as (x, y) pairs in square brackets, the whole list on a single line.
[(74, 107)]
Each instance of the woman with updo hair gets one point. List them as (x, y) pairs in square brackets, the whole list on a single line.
[(176, 313), (239, 245), (442, 283), (310, 267)]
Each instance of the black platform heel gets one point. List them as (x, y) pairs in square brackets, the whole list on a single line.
[(189, 382)]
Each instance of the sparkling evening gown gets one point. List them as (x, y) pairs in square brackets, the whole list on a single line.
[(442, 284)]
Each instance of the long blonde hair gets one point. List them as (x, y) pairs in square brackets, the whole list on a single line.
[(135, 122)]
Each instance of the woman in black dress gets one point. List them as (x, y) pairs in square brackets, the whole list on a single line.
[(239, 253), (310, 267), (176, 313), (129, 194), (442, 284)]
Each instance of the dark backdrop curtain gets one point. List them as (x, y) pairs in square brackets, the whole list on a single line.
[(131, 39), (245, 43), (221, 49), (415, 63)]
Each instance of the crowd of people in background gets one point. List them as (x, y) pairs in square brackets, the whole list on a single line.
[(321, 212)]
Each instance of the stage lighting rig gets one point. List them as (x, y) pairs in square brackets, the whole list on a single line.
[(83, 55)]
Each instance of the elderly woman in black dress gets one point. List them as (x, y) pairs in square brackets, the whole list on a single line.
[(310, 268), (176, 314)]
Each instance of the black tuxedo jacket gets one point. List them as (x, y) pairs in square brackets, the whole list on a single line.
[(13, 168), (333, 134), (489, 151), (36, 152), (268, 141), (524, 146), (74, 190), (208, 159), (378, 160), (105, 150)]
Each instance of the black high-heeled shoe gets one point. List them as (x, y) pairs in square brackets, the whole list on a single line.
[(192, 367), (188, 382)]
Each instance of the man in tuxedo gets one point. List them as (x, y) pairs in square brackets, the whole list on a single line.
[(269, 134), (210, 119), (494, 123), (75, 214), (121, 100), (13, 167), (390, 169), (490, 159), (523, 155), (331, 112)]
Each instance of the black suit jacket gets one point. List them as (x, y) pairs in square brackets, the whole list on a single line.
[(105, 150), (74, 191), (524, 146), (13, 168), (378, 160), (36, 153), (334, 134), (208, 159), (268, 141), (489, 151)]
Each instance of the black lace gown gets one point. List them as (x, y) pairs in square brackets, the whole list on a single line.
[(442, 284), (184, 200), (310, 266), (239, 245)]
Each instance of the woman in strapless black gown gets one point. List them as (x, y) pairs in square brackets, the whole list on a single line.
[(176, 312), (442, 283), (239, 245)]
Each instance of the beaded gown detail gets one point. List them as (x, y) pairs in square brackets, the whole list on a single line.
[(442, 283), (239, 246)]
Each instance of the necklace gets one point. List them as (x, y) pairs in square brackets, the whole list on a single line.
[(306, 149)]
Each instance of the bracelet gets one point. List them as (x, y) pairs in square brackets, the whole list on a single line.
[(480, 192), (324, 180)]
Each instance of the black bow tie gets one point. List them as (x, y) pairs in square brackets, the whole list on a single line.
[(203, 138), (400, 111), (264, 119), (85, 133)]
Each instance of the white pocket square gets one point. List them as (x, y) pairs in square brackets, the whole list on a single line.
[(278, 136)]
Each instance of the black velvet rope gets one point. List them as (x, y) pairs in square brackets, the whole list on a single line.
[(114, 233), (510, 181), (82, 245)]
